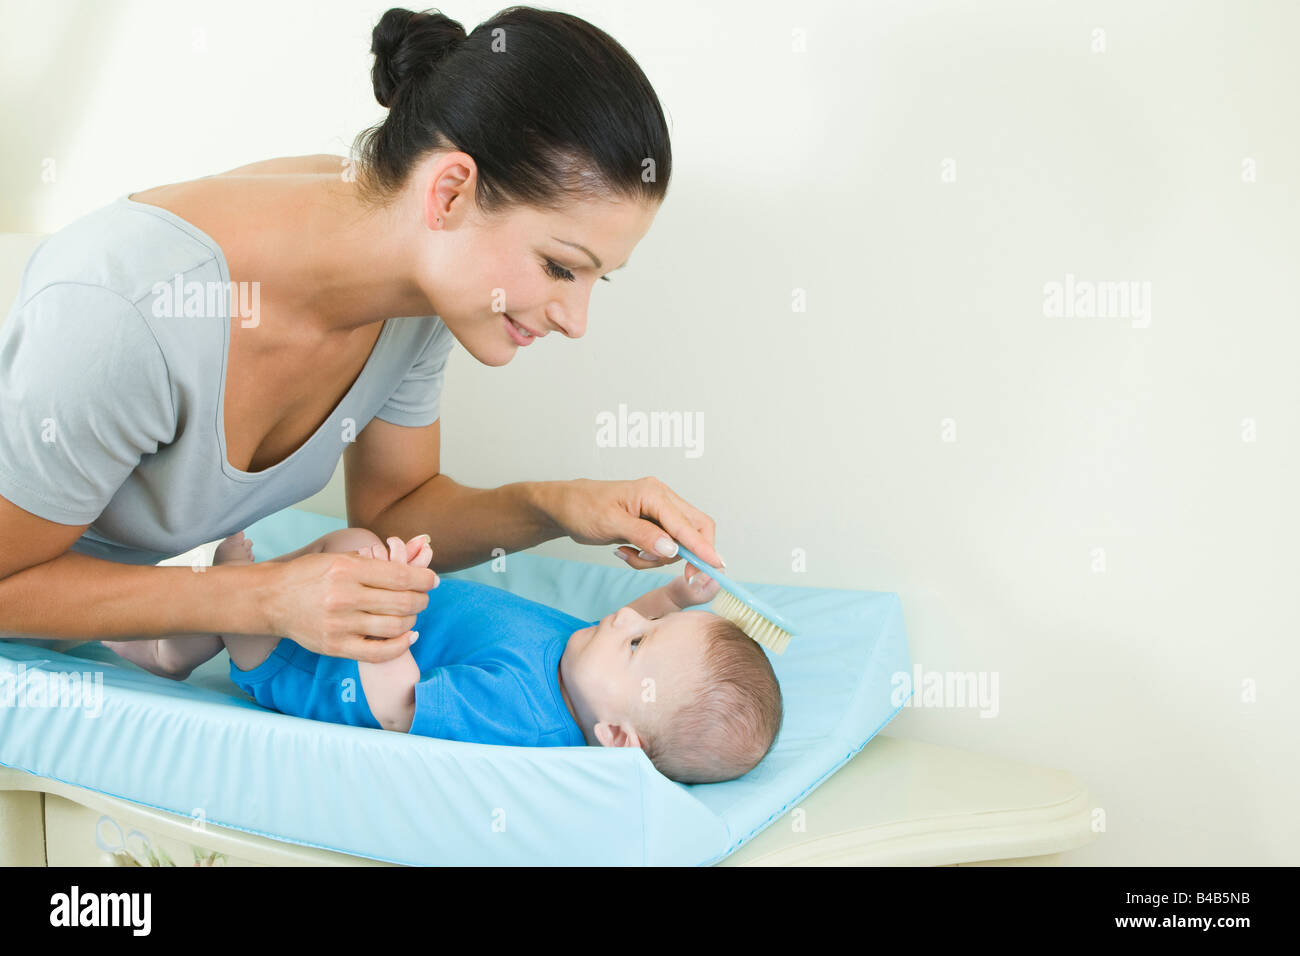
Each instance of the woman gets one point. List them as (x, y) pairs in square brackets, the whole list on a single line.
[(143, 416)]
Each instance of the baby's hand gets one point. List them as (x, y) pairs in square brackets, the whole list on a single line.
[(686, 592), (415, 552)]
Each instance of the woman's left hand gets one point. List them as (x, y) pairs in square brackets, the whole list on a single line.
[(638, 512)]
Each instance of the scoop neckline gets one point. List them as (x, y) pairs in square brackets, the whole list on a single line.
[(219, 425)]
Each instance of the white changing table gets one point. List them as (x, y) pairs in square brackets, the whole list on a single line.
[(897, 803)]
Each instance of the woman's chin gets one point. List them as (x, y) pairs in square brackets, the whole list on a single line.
[(494, 355), (488, 343)]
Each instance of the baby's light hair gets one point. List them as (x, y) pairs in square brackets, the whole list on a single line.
[(733, 720)]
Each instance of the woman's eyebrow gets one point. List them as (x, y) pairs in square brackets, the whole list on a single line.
[(594, 258)]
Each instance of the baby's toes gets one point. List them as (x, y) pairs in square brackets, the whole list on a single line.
[(416, 548), (230, 548)]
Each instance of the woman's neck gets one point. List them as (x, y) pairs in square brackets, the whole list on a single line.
[(320, 252)]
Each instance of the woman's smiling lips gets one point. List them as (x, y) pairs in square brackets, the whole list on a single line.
[(520, 334)]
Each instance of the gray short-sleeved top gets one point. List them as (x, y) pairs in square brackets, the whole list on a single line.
[(111, 396)]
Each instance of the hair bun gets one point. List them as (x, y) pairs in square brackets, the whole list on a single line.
[(408, 44)]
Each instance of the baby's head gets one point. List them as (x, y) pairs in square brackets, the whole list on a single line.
[(690, 688)]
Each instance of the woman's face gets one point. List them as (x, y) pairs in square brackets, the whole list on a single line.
[(530, 267)]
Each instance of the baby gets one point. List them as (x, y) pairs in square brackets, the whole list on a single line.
[(689, 688)]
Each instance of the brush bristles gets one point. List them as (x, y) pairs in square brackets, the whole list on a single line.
[(758, 627)]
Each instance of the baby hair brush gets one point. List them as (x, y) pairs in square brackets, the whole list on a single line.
[(747, 612)]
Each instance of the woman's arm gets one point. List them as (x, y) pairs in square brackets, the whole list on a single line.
[(48, 591), (466, 525), (329, 603), (394, 487), (77, 596)]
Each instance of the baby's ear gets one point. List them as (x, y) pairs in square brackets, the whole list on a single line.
[(611, 734)]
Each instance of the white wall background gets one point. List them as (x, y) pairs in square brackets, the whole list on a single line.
[(1106, 533)]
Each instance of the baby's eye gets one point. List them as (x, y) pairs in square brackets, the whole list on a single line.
[(636, 640)]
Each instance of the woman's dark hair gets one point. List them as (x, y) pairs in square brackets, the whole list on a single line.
[(551, 108)]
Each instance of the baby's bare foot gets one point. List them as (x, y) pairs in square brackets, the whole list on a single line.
[(415, 552), (234, 550), (142, 653)]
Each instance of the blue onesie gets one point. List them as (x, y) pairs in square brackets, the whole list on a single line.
[(488, 660)]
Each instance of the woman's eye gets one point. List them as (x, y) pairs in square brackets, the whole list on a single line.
[(557, 271)]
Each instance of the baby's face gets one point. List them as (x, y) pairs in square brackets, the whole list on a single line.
[(615, 671)]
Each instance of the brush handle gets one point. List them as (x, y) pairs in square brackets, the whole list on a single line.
[(735, 590)]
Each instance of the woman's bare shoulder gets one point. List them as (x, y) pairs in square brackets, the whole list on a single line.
[(190, 190), (290, 166), (217, 203)]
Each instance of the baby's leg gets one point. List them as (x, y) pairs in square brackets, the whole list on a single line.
[(390, 690), (174, 657), (178, 655), (389, 686), (248, 651)]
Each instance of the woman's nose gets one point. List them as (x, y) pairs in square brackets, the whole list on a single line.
[(570, 328), (571, 319)]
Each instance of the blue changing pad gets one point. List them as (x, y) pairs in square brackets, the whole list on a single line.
[(202, 744)]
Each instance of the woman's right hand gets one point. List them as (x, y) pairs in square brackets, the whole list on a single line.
[(345, 605)]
